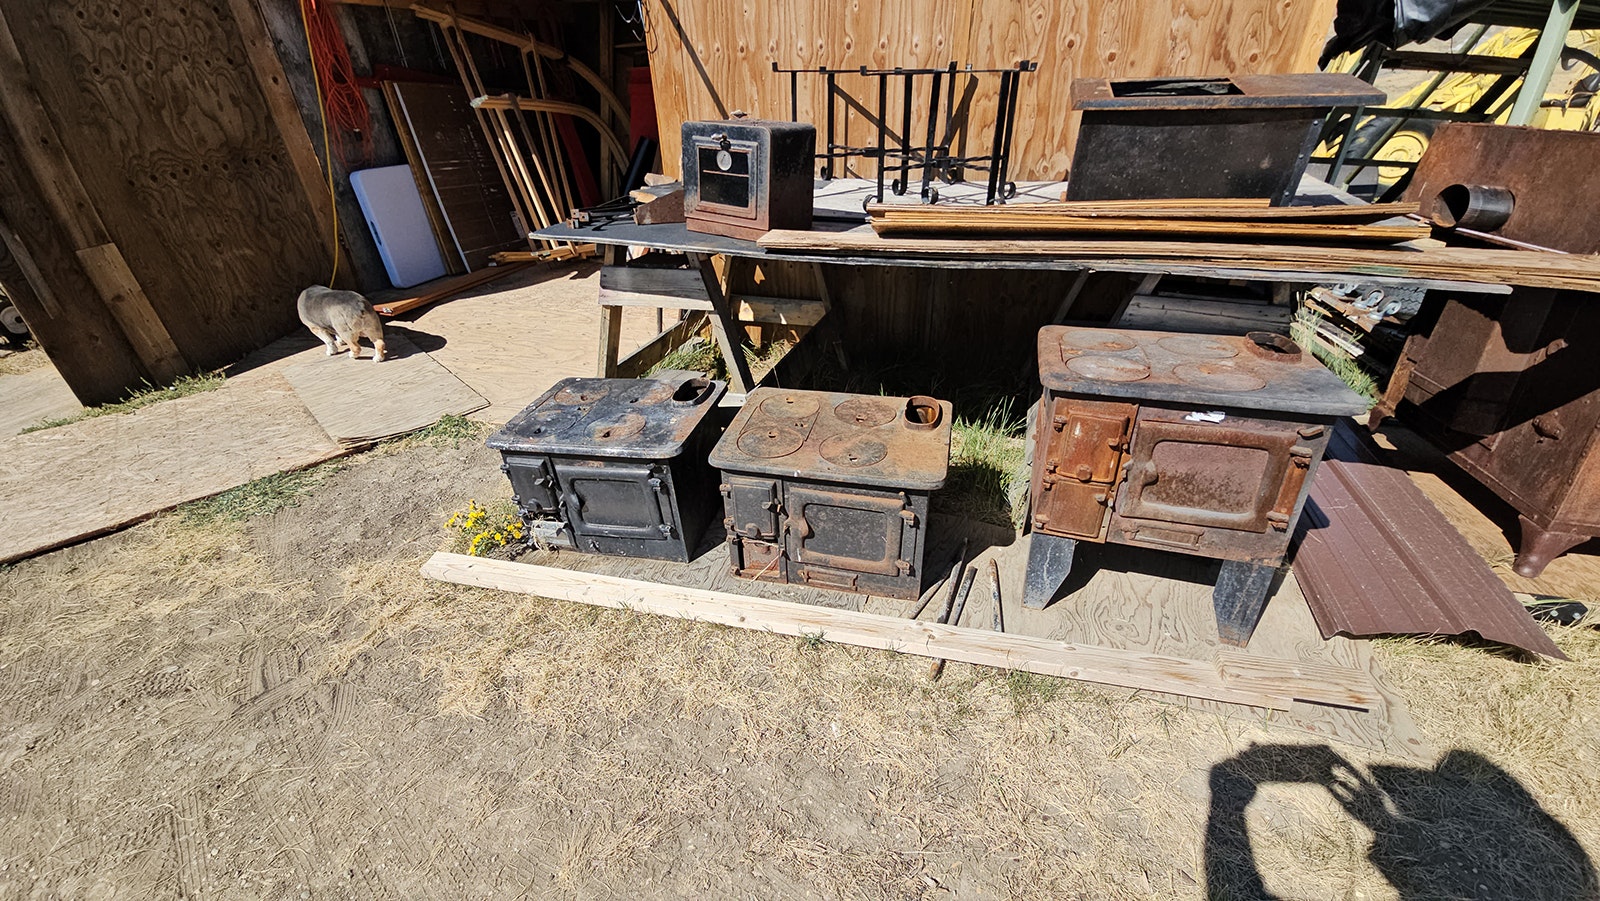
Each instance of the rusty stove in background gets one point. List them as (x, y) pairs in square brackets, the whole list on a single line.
[(830, 489), (1193, 443)]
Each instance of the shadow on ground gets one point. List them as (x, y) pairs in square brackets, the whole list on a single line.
[(1463, 829)]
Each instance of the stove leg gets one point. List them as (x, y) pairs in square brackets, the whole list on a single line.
[(1239, 599), (1537, 547), (1049, 564)]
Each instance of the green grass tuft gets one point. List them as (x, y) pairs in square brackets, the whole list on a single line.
[(150, 394), (1027, 691), (450, 430), (1351, 372), (262, 497)]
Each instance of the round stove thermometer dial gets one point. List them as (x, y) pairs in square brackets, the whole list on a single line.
[(724, 160)]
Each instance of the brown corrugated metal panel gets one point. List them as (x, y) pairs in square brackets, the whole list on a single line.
[(1376, 557)]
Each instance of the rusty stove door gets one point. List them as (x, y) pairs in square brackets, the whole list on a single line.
[(1186, 480), (837, 535), (754, 511), (1078, 456), (616, 500)]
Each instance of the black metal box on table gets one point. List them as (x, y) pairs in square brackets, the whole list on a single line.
[(1201, 444), (832, 490), (615, 466), (1245, 136), (745, 177)]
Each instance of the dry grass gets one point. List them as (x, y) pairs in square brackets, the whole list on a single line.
[(144, 397), (674, 758), (22, 361)]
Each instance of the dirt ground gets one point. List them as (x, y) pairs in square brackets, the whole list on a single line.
[(280, 707)]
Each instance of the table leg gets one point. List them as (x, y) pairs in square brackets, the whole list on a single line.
[(610, 340), (723, 326)]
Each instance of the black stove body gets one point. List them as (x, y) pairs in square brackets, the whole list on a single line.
[(615, 466), (832, 490)]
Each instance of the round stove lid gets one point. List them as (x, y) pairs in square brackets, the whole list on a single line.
[(1198, 347), (766, 441), (579, 395), (867, 412), (853, 450), (1102, 340), (1219, 375), (790, 406), (1108, 368)]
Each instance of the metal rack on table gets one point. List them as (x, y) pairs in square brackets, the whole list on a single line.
[(933, 154)]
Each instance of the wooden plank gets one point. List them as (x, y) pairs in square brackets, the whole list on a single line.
[(441, 289), (1460, 264), (779, 310), (1226, 208), (610, 341), (1023, 222), (636, 364), (437, 223), (127, 302), (1251, 684), (640, 286)]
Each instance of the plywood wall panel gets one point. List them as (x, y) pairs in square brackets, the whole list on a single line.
[(707, 58)]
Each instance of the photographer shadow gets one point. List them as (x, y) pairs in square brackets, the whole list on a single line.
[(1463, 829)]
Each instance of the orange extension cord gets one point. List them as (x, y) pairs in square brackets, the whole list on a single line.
[(343, 108)]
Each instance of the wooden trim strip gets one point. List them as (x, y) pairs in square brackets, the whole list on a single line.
[(1260, 683)]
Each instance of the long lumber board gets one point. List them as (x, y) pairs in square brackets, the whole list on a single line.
[(1534, 269), (1160, 209), (1255, 682), (1032, 224)]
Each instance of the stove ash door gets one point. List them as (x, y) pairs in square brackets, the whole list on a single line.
[(1077, 459), (851, 539), (753, 509), (1227, 489), (617, 500)]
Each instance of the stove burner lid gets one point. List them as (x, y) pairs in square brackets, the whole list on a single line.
[(886, 442), (853, 450), (1202, 370), (627, 418)]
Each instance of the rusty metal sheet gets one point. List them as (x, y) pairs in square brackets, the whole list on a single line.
[(1375, 557), (1552, 177)]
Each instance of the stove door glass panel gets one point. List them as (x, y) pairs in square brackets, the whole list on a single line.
[(1223, 475), (613, 501), (1083, 444), (850, 531), (726, 182)]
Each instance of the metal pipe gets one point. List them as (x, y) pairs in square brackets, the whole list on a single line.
[(1551, 41)]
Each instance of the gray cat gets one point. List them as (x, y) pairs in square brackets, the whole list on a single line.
[(341, 319)]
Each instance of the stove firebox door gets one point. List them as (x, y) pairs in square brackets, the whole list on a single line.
[(617, 500), (534, 485), (1227, 475), (754, 509), (836, 534), (1083, 442)]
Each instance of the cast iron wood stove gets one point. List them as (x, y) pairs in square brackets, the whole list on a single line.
[(1201, 444), (615, 466), (831, 489)]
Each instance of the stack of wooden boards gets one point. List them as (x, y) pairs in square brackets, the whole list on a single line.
[(1268, 245), (1224, 218)]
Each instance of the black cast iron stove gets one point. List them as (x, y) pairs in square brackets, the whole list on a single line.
[(615, 466), (1201, 444), (832, 489)]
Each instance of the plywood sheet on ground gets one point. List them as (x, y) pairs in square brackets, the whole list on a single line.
[(75, 481), (360, 402), (1120, 598), (32, 397), (511, 340)]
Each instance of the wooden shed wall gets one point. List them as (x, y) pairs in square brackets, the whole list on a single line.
[(708, 58), (162, 203)]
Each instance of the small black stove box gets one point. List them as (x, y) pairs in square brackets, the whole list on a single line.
[(831, 489), (744, 177), (1245, 136), (1200, 444), (615, 466)]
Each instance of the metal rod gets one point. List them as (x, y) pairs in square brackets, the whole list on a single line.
[(883, 111), (1552, 39), (957, 564), (999, 135), (933, 120), (954, 617), (999, 620), (905, 136), (828, 173)]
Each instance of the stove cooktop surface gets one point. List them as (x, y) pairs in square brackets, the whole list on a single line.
[(1260, 371), (888, 442), (631, 418)]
